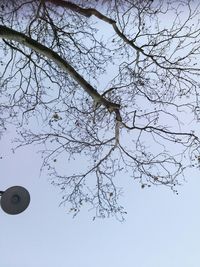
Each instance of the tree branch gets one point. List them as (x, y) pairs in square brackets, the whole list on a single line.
[(10, 34), (88, 12)]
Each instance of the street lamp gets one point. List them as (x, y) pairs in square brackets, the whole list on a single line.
[(14, 200)]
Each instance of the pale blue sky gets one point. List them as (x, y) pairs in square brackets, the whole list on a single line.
[(161, 228)]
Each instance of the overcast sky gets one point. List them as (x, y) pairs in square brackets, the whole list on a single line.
[(161, 228)]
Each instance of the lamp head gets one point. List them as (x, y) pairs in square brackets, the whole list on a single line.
[(15, 200)]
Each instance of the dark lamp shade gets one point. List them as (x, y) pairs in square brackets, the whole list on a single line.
[(15, 200)]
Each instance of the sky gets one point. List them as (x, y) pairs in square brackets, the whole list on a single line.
[(161, 229)]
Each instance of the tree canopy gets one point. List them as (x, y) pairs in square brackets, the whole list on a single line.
[(110, 85)]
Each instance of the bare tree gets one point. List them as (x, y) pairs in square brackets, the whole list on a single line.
[(109, 84)]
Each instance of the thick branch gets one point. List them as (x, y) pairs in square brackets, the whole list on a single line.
[(73, 7), (21, 38), (88, 12)]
